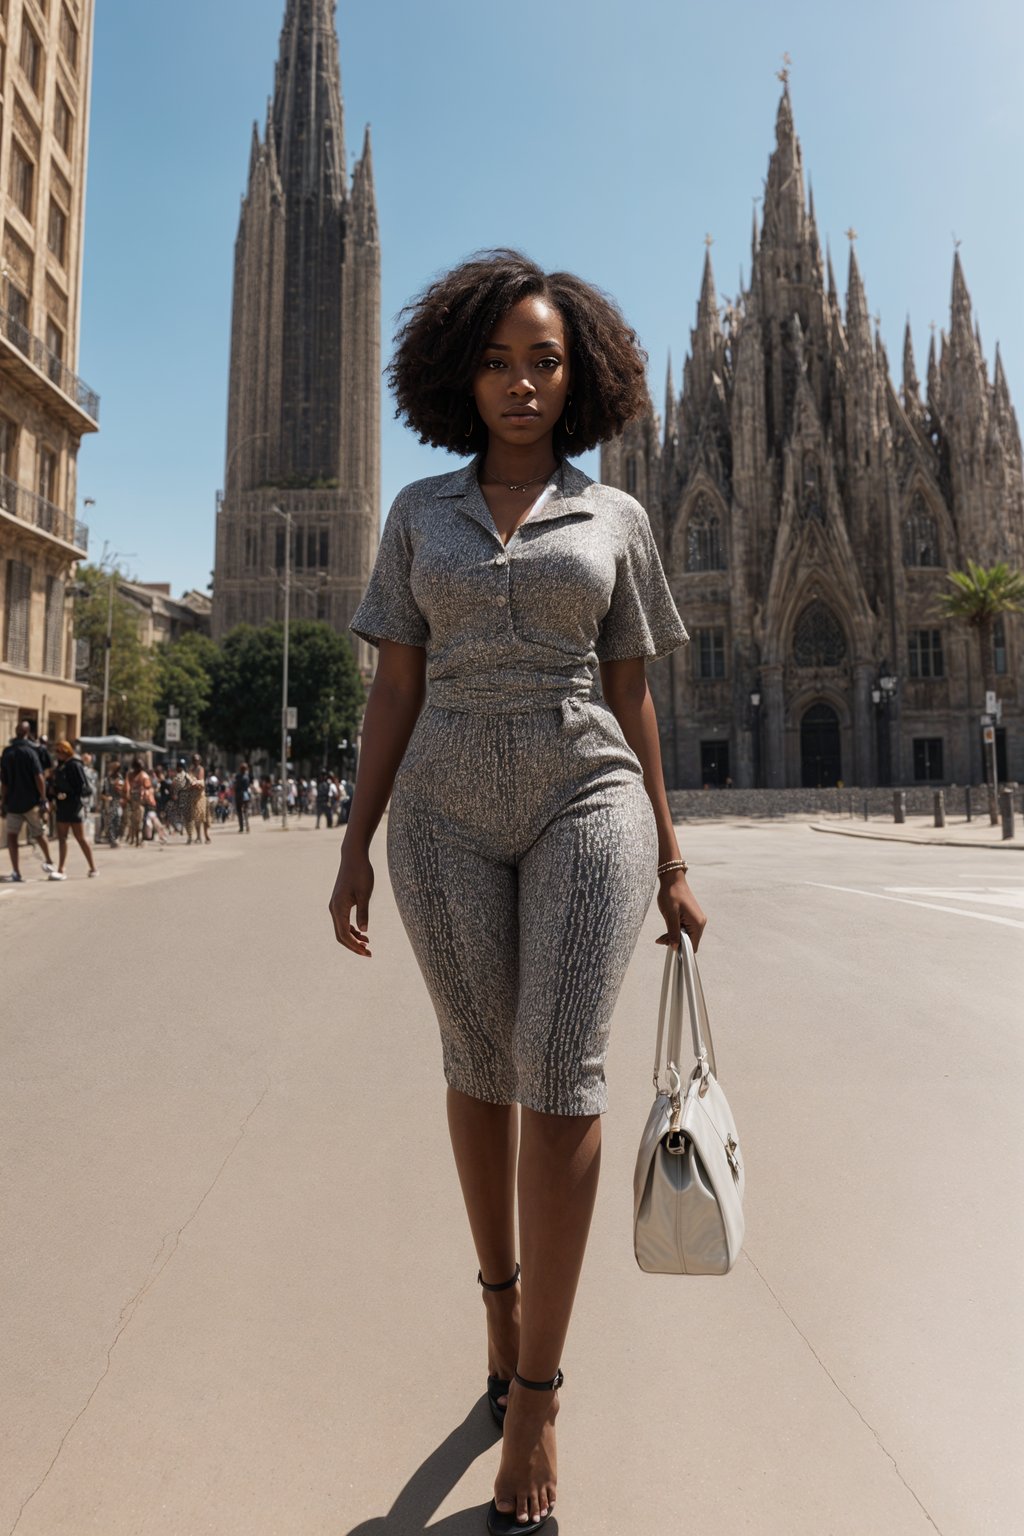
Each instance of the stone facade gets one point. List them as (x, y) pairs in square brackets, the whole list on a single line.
[(45, 409), (304, 394), (807, 512), (162, 618)]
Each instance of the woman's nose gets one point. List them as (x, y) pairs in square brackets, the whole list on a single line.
[(521, 387)]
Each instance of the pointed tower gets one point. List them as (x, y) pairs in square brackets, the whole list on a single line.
[(303, 410)]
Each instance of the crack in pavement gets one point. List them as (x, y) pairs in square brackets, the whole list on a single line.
[(132, 1305), (844, 1394)]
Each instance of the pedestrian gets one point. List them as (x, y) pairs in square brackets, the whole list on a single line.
[(266, 795), (323, 801), (200, 799), (528, 823), (243, 793), (112, 797), (140, 799), (23, 800), (71, 791)]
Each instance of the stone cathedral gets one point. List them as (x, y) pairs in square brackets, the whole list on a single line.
[(303, 429), (807, 512)]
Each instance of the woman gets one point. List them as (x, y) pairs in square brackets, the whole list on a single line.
[(200, 802), (243, 791), (140, 799), (70, 792), (528, 818)]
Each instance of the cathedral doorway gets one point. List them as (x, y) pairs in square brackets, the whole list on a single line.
[(820, 751)]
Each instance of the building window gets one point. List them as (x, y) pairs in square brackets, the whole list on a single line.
[(19, 597), (920, 535), (17, 313), (63, 122), (818, 639), (925, 653), (31, 55), (705, 550), (55, 349), (54, 636), (714, 764), (928, 759), (631, 474), (709, 653), (999, 662), (810, 498), (23, 181), (8, 446), (48, 467), (324, 548), (279, 549), (68, 37), (57, 232)]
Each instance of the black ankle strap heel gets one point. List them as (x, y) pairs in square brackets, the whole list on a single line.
[(497, 1386), (541, 1386), (503, 1285)]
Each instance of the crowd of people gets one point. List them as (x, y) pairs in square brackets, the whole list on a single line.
[(132, 804)]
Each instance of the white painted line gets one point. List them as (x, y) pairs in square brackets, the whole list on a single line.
[(984, 898), (984, 917)]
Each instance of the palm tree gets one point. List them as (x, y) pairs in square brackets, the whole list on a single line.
[(980, 595)]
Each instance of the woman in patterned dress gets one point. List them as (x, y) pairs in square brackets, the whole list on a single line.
[(528, 823)]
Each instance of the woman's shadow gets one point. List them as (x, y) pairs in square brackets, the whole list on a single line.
[(434, 1479)]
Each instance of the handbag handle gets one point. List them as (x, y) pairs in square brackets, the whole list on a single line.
[(680, 979)]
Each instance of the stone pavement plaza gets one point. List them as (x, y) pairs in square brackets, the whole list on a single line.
[(239, 1296)]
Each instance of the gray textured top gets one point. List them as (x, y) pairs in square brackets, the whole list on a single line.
[(523, 626)]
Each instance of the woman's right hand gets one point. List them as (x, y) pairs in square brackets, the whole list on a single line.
[(352, 888)]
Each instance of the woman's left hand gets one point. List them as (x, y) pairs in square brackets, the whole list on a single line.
[(680, 909)]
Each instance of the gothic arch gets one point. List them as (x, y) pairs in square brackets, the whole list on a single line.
[(704, 535), (818, 639), (921, 545)]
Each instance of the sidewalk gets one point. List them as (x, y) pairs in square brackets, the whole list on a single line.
[(957, 833)]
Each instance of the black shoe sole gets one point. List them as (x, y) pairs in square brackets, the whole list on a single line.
[(501, 1524)]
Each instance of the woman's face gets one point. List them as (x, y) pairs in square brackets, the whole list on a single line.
[(523, 378)]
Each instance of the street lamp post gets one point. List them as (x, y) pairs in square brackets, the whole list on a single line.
[(284, 670), (755, 705), (882, 695)]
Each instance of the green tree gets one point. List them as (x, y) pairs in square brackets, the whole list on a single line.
[(185, 670), (980, 595), (324, 685), (133, 681)]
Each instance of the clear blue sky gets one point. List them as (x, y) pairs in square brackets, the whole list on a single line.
[(599, 135)]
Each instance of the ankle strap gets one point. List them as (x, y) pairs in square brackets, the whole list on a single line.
[(504, 1285), (541, 1386)]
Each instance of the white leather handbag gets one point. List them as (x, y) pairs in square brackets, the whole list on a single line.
[(689, 1179)]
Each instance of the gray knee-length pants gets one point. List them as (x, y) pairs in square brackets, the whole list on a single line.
[(522, 850)]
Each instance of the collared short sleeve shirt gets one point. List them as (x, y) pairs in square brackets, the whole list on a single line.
[(579, 582)]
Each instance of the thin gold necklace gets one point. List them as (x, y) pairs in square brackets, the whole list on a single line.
[(522, 485)]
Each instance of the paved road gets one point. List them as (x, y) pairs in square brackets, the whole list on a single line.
[(239, 1297)]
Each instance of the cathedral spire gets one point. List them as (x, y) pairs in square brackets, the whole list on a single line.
[(670, 398), (784, 213), (309, 126), (911, 384), (364, 197), (858, 328)]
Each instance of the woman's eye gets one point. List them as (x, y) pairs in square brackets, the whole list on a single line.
[(550, 363), (493, 364)]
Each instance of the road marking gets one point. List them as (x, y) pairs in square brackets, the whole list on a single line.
[(985, 897), (853, 890)]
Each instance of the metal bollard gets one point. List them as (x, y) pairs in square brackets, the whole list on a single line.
[(899, 806), (1007, 812), (865, 807), (940, 808), (967, 800)]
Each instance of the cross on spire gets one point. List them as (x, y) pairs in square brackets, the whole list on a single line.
[(709, 241), (851, 234), (783, 73)]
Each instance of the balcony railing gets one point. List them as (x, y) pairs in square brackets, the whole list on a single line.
[(48, 362), (42, 514)]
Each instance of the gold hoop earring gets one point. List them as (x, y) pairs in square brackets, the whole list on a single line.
[(472, 423), (569, 431)]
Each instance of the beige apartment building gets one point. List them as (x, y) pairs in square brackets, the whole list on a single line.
[(45, 408)]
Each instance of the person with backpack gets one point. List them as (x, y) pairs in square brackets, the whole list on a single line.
[(70, 792)]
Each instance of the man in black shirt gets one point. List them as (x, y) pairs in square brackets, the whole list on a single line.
[(22, 799)]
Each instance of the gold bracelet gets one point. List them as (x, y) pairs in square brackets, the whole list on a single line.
[(670, 864)]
